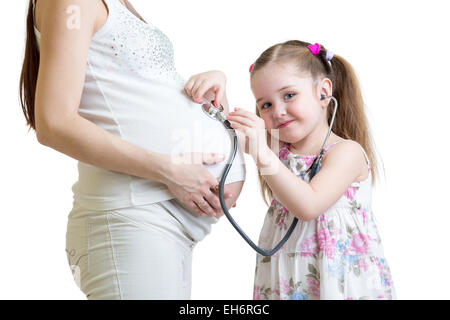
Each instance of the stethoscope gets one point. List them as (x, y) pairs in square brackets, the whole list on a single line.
[(217, 114)]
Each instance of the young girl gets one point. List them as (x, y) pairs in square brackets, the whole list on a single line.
[(335, 251)]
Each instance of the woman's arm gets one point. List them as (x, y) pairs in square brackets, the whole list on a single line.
[(58, 93), (64, 50)]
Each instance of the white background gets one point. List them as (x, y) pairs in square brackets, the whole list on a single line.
[(400, 51)]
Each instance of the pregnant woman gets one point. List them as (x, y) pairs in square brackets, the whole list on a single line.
[(99, 84)]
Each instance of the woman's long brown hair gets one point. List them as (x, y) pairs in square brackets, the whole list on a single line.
[(350, 122), (30, 68)]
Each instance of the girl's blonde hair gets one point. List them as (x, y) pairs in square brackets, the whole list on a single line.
[(350, 122)]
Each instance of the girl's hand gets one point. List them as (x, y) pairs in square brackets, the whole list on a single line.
[(251, 131), (199, 85), (192, 184)]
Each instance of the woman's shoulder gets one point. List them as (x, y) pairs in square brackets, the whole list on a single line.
[(98, 11)]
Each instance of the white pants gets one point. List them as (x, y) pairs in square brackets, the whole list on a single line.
[(139, 252)]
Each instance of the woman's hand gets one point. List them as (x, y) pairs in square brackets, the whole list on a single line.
[(251, 132), (193, 184), (199, 85)]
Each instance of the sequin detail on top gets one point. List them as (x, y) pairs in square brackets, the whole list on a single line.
[(142, 48)]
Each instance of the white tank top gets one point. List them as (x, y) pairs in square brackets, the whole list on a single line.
[(133, 91)]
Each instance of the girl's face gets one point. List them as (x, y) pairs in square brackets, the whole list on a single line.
[(287, 100)]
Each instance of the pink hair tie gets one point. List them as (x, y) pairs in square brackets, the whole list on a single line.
[(314, 48), (251, 67)]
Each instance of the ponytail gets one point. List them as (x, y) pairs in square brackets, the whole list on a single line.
[(351, 121)]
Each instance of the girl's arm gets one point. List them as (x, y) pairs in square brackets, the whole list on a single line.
[(340, 167), (208, 85)]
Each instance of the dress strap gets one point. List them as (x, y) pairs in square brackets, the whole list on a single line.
[(330, 146)]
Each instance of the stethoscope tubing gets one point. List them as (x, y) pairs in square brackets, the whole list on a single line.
[(217, 115), (228, 215)]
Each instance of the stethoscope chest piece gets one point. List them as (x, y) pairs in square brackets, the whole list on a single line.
[(211, 110)]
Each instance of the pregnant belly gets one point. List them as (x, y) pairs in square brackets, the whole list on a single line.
[(173, 125)]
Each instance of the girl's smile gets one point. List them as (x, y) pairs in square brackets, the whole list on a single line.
[(285, 124)]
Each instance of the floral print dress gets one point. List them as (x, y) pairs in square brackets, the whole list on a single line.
[(338, 255)]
